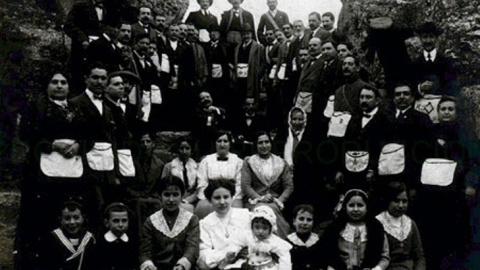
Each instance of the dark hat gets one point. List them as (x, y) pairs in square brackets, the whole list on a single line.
[(210, 1), (246, 27), (429, 27), (125, 74)]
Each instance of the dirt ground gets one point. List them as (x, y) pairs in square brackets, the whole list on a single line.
[(9, 209)]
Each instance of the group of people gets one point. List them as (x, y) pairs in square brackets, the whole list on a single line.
[(255, 185)]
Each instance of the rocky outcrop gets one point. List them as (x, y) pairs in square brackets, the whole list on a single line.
[(460, 20), (172, 10)]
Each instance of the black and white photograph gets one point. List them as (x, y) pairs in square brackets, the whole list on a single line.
[(239, 134)]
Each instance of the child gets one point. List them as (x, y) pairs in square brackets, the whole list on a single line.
[(70, 246), (404, 242), (306, 246), (115, 249), (265, 250), (354, 240), (171, 236)]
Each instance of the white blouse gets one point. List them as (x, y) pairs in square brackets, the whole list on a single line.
[(216, 233), (211, 169)]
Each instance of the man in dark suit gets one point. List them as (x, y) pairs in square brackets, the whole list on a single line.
[(176, 79), (271, 20), (414, 130), (347, 95), (144, 24), (328, 20), (246, 126), (366, 133), (98, 127), (316, 29), (232, 21), (83, 24), (329, 80), (106, 49), (203, 20), (217, 63), (209, 119), (283, 69), (433, 72), (309, 77), (249, 68)]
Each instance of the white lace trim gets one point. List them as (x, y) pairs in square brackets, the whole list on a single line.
[(312, 240), (349, 233), (259, 168), (398, 231), (159, 222)]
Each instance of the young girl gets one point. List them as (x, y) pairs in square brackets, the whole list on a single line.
[(265, 250), (70, 246), (355, 240), (185, 168), (170, 237), (404, 242), (306, 245)]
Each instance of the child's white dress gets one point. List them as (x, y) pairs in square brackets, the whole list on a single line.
[(272, 253)]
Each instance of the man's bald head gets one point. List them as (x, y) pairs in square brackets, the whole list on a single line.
[(315, 47)]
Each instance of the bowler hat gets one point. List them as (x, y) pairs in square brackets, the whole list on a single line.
[(429, 28), (246, 27), (125, 74)]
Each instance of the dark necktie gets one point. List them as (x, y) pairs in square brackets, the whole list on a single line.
[(185, 175), (429, 58), (222, 158)]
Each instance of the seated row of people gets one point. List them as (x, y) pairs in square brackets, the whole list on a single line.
[(233, 238)]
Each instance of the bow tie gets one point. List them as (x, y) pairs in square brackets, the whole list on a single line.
[(99, 97), (222, 158), (367, 115)]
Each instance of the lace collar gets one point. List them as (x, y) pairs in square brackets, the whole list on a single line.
[(159, 222), (312, 240), (349, 233), (399, 228), (110, 237), (259, 169)]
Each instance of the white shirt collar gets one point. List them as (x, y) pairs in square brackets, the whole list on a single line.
[(248, 43), (110, 237), (397, 111), (273, 12), (61, 103), (91, 95), (372, 113), (107, 37), (433, 54)]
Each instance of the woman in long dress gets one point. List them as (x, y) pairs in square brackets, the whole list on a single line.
[(267, 180)]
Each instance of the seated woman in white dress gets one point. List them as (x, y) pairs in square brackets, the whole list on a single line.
[(220, 165), (218, 228)]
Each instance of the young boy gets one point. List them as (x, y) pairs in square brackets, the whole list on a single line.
[(70, 246), (305, 242), (115, 250)]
